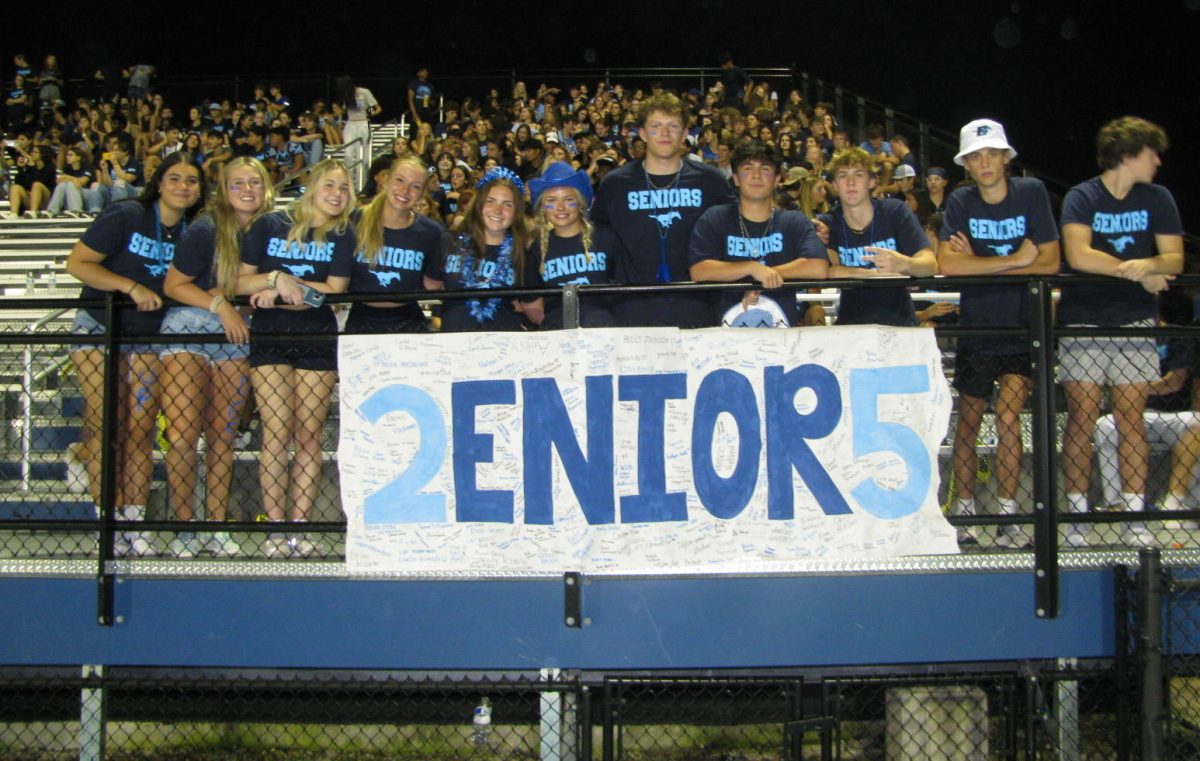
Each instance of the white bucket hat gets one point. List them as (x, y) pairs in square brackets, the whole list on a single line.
[(982, 133)]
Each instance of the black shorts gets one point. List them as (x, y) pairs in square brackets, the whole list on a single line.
[(406, 318), (319, 353), (976, 373)]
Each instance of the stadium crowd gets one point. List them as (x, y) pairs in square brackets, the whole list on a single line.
[(541, 187)]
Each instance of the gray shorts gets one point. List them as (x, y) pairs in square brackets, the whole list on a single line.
[(197, 320), (86, 325), (1109, 361)]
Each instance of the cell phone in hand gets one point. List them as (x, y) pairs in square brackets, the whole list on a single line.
[(312, 296)]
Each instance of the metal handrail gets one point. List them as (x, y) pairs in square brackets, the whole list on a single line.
[(279, 186), (28, 379)]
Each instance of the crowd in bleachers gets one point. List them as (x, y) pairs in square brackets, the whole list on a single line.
[(591, 185)]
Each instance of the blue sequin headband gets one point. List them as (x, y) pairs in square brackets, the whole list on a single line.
[(501, 173)]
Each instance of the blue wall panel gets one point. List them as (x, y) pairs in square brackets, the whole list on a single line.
[(518, 625)]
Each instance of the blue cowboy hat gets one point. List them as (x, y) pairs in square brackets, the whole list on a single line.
[(561, 175)]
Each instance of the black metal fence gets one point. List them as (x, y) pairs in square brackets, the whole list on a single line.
[(69, 482)]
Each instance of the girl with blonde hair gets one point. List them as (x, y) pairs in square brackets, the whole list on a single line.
[(207, 385)]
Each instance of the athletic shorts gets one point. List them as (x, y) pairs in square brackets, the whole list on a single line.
[(976, 373), (1109, 361)]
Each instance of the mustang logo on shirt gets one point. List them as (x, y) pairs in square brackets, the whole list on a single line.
[(665, 220), (1119, 244), (299, 270), (1003, 250), (386, 278)]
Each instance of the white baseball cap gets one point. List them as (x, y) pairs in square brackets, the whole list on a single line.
[(982, 133)]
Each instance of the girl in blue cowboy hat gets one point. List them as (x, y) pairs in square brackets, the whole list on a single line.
[(569, 249)]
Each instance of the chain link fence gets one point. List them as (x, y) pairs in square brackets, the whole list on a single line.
[(124, 713)]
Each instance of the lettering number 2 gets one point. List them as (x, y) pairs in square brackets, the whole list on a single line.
[(401, 500)]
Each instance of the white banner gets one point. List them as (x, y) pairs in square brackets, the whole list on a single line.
[(640, 451)]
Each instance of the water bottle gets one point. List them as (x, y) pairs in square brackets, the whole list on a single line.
[(30, 283), (482, 722), (52, 278)]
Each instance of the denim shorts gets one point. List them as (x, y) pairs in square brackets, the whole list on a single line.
[(86, 325), (197, 320)]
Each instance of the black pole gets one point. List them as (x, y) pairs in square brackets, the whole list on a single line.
[(1122, 589), (105, 582), (1045, 461), (1150, 587)]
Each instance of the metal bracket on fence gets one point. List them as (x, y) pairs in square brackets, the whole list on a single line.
[(570, 306), (822, 724), (573, 599), (1045, 502)]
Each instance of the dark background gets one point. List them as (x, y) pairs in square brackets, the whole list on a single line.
[(1052, 72)]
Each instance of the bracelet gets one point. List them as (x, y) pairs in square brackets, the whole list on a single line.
[(132, 288), (273, 278), (216, 304)]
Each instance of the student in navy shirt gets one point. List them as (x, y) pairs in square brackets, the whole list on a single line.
[(206, 386), (652, 206), (752, 240), (873, 238), (997, 226), (491, 254), (313, 245), (398, 249), (1120, 225), (129, 249), (569, 249)]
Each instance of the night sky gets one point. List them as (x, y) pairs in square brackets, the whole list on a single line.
[(1052, 72)]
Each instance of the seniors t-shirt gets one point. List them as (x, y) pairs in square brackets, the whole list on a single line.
[(892, 226)]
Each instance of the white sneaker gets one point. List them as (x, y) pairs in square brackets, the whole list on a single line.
[(968, 534), (277, 546), (132, 544), (185, 545), (222, 545), (1013, 537), (301, 546), (1137, 535), (1077, 536)]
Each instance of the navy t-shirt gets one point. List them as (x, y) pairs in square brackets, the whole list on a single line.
[(787, 237), (456, 317), (408, 256), (998, 230), (893, 226), (265, 246), (196, 253), (127, 235), (648, 214), (1122, 228), (566, 264), (1175, 353)]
